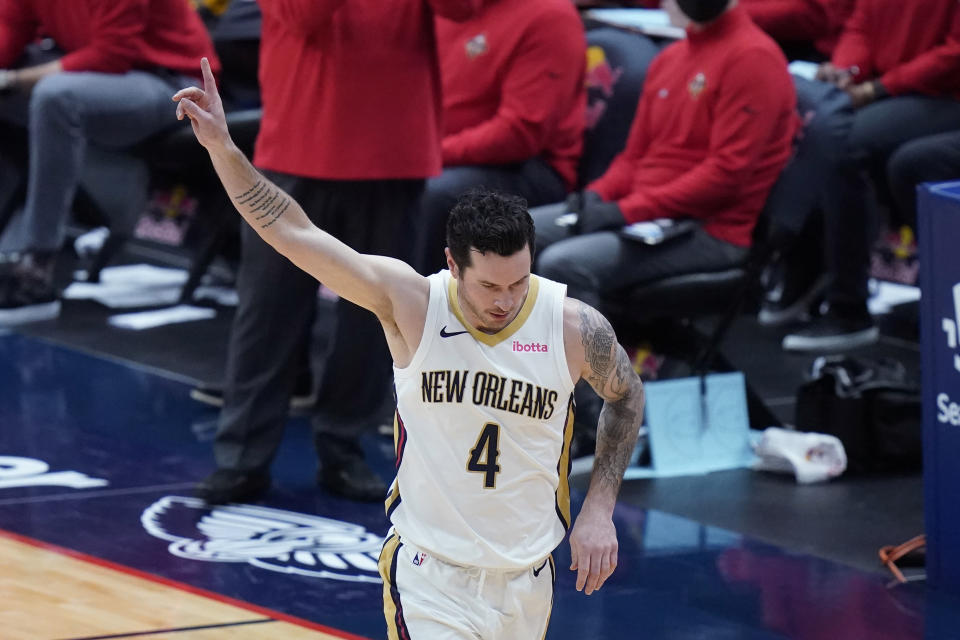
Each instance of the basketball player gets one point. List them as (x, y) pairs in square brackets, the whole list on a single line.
[(485, 356)]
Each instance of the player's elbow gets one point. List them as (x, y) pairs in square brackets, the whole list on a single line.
[(290, 243)]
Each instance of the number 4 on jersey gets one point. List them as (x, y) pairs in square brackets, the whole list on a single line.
[(483, 456)]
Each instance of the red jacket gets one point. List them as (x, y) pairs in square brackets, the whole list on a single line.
[(109, 36), (817, 21), (513, 85), (351, 88), (912, 47), (713, 130)]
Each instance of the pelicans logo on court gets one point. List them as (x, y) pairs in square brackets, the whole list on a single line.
[(18, 472), (272, 539)]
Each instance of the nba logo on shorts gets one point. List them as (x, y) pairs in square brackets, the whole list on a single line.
[(419, 559)]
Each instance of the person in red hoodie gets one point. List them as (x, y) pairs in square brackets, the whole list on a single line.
[(351, 129), (110, 87), (898, 65), (712, 131), (514, 106)]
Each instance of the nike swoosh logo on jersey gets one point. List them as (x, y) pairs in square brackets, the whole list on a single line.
[(444, 334), (536, 572)]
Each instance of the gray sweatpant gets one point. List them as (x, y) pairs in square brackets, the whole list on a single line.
[(65, 114)]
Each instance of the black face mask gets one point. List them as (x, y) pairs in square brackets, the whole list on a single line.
[(702, 10)]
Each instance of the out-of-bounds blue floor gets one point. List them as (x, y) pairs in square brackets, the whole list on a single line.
[(136, 443)]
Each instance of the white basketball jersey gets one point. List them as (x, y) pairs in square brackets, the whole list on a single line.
[(483, 432)]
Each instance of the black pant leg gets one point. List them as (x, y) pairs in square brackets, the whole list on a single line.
[(877, 130), (827, 116), (929, 159), (373, 217), (849, 228), (275, 310)]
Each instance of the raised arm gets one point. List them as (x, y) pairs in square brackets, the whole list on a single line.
[(592, 349), (389, 288)]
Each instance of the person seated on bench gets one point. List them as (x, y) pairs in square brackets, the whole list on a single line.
[(111, 87), (898, 65), (713, 129)]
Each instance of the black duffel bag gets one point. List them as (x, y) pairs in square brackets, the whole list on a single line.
[(871, 405)]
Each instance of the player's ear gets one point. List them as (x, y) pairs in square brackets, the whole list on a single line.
[(451, 263)]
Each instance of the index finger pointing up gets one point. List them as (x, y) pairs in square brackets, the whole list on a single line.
[(209, 84)]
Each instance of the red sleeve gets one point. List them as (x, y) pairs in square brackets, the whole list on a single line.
[(18, 25), (617, 181), (853, 48), (746, 112), (456, 10), (934, 72), (116, 30), (544, 69), (305, 17)]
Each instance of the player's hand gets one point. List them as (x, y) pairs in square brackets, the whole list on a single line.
[(593, 549), (205, 110)]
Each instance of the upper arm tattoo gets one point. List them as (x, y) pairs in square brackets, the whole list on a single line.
[(603, 354), (262, 203)]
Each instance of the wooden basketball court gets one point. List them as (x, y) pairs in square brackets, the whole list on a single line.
[(49, 592)]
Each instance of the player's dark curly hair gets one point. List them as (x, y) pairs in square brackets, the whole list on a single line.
[(488, 221)]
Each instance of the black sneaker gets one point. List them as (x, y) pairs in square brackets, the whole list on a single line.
[(303, 399), (833, 332), (344, 472), (27, 299), (783, 304), (789, 296), (353, 479), (230, 485)]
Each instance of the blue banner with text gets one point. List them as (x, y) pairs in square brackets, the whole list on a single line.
[(939, 233)]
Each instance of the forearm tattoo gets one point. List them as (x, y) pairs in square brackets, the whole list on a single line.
[(617, 433), (613, 378), (263, 203)]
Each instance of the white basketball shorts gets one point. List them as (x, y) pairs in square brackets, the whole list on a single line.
[(425, 598)]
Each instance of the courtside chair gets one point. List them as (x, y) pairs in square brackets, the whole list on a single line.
[(682, 306), (118, 187)]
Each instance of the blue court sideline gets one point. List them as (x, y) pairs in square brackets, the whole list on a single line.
[(100, 456)]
